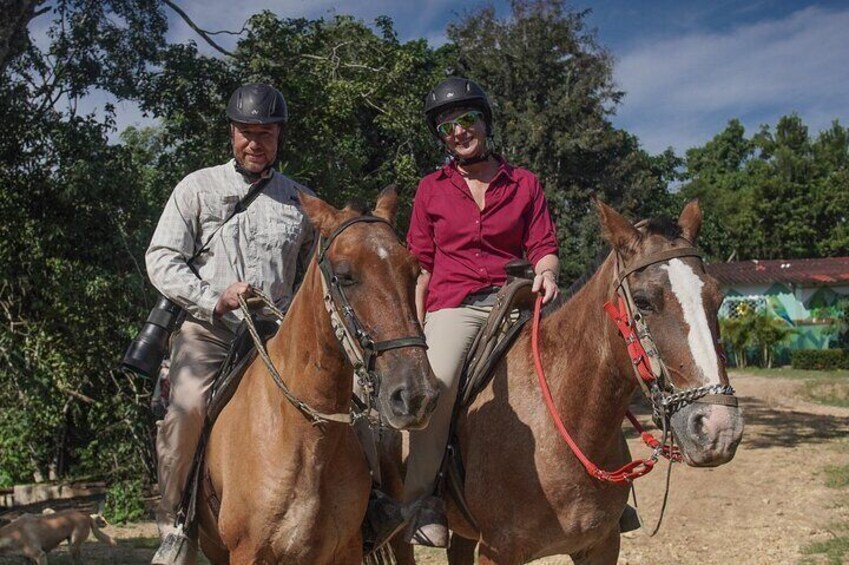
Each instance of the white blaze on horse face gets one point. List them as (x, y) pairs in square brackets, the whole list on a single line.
[(379, 248), (687, 288)]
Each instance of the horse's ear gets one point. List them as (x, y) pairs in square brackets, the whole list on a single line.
[(387, 204), (322, 215), (690, 220), (616, 229)]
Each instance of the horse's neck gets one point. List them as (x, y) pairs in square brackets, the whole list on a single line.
[(588, 358), (307, 353)]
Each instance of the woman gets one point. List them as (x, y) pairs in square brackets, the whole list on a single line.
[(470, 218)]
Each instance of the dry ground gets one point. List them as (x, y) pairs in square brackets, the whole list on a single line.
[(761, 508)]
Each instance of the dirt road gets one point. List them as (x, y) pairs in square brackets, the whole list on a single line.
[(761, 508)]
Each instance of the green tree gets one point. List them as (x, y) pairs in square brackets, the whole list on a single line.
[(778, 194), (71, 219)]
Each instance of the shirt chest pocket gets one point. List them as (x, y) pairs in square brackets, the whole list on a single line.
[(279, 226), (212, 218)]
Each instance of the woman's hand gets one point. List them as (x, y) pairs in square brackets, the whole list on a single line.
[(546, 284)]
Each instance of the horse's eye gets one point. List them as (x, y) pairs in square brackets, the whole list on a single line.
[(643, 304), (344, 279)]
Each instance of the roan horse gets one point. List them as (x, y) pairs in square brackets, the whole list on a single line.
[(527, 491), (291, 490)]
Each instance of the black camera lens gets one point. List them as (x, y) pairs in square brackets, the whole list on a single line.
[(146, 352)]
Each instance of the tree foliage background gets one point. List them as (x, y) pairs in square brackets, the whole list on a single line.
[(77, 210)]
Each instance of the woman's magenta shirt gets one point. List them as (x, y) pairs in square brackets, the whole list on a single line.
[(465, 249)]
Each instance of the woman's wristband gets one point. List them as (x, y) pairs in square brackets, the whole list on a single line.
[(553, 274)]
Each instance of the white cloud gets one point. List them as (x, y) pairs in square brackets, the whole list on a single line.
[(682, 91)]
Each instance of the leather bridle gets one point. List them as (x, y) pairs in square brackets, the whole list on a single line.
[(360, 348), (651, 371)]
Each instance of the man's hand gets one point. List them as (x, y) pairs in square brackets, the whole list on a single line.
[(230, 299), (546, 284)]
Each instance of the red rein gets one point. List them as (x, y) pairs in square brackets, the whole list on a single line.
[(636, 468)]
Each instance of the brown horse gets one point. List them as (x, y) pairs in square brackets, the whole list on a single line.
[(527, 491), (291, 490)]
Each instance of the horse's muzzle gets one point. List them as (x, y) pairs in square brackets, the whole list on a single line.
[(408, 404), (707, 434)]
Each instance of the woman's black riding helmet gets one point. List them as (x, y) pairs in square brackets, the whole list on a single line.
[(456, 92), (257, 104)]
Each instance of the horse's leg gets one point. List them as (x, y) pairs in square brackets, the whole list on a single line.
[(461, 551), (488, 555), (606, 552), (245, 554)]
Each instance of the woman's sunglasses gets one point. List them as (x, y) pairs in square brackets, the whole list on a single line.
[(465, 121)]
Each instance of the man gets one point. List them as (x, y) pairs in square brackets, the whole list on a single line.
[(202, 256)]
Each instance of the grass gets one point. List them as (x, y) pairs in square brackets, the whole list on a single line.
[(830, 388), (837, 476), (835, 550), (787, 373)]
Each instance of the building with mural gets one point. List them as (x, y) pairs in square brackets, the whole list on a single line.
[(804, 293)]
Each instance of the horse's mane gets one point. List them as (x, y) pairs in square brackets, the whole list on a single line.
[(362, 207), (662, 226), (667, 227)]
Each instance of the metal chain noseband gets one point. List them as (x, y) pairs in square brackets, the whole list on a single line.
[(712, 394)]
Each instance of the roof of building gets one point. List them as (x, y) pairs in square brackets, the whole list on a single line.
[(816, 272)]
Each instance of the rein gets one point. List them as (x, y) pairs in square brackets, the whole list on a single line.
[(626, 473), (650, 371), (360, 349), (316, 416)]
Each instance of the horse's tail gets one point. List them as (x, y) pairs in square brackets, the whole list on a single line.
[(96, 521)]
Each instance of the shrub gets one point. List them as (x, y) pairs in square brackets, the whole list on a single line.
[(125, 502), (820, 359)]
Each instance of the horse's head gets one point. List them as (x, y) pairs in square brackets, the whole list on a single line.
[(678, 302), (371, 279)]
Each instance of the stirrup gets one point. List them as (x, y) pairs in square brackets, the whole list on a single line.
[(176, 549), (383, 520), (429, 526)]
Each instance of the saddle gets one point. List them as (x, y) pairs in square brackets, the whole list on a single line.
[(513, 307)]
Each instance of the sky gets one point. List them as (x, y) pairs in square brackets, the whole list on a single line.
[(687, 67)]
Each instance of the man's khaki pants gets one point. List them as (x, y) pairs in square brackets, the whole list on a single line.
[(449, 334), (197, 351)]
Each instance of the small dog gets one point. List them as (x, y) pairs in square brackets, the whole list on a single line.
[(33, 535)]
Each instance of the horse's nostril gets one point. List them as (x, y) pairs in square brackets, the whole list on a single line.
[(404, 403), (398, 399), (697, 425)]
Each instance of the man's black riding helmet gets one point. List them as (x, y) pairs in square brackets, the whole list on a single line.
[(456, 92), (257, 104)]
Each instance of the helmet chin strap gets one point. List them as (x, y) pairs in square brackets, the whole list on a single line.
[(250, 175), (479, 158), (472, 160)]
